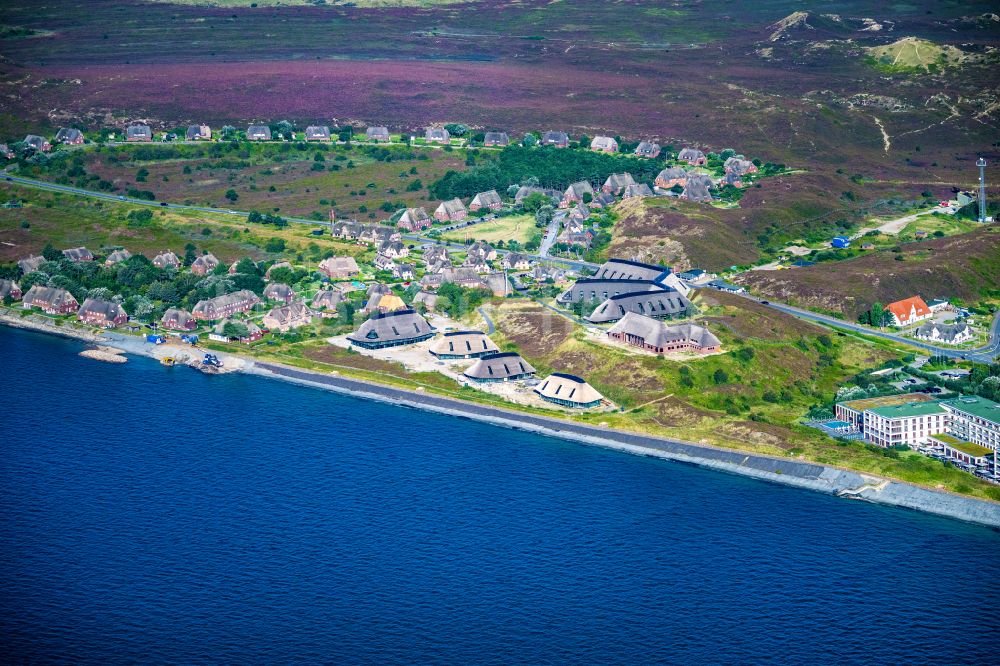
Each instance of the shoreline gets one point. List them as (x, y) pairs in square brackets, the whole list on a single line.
[(807, 475)]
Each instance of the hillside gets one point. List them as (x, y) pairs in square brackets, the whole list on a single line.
[(914, 54), (954, 267)]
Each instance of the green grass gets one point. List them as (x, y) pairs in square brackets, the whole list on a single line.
[(516, 227)]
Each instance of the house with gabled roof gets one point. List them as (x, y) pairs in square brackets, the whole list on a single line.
[(287, 317), (178, 319), (78, 254), (138, 133), (415, 219), (909, 311), (656, 303), (198, 133), (528, 190), (326, 301), (221, 307), (383, 263), (648, 149), (98, 312), (452, 210), (569, 391), (697, 188), (70, 136), (30, 264), (277, 291), (392, 329), (692, 156), (637, 190), (617, 182), (9, 288), (204, 264), (377, 134), (514, 261), (604, 144), (502, 367), (253, 334), (437, 135), (393, 250), (655, 336), (489, 199), (739, 165), (427, 298), (167, 260), (267, 274), (258, 133), (6, 152), (50, 299), (317, 133), (482, 250), (37, 143), (117, 256), (557, 139), (339, 267), (404, 272), (496, 139), (436, 254), (671, 176), (575, 193), (949, 334), (463, 344)]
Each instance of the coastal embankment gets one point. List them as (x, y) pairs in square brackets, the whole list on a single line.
[(810, 476)]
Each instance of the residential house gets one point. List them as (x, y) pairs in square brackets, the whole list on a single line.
[(528, 190), (98, 312), (204, 264), (6, 152), (436, 254), (393, 249), (78, 254), (729, 287), (693, 157), (117, 256), (167, 260), (496, 139), (451, 211), (732, 178), (437, 135), (377, 288), (30, 264), (482, 250), (198, 133), (273, 267), (326, 301), (659, 304), (50, 300), (338, 268), (9, 288), (514, 261), (557, 139), (648, 149), (253, 333), (317, 133), (488, 199), (391, 329), (497, 283), (950, 334), (177, 319), (138, 133), (975, 420), (549, 274), (258, 133), (462, 276), (576, 192), (415, 219), (277, 291), (617, 182), (602, 200), (377, 134), (287, 317), (503, 367), (222, 307), (868, 246), (938, 305), (463, 344), (655, 336), (909, 311), (568, 391), (383, 263), (739, 165), (671, 176), (405, 272), (697, 188), (346, 230), (37, 143), (427, 298), (576, 236), (376, 234), (604, 144), (577, 214), (70, 136), (476, 264), (637, 190)]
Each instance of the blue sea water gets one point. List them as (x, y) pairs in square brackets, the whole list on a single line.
[(157, 515)]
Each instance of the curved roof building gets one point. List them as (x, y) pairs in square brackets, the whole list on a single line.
[(568, 391)]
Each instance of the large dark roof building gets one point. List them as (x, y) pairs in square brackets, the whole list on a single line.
[(392, 329)]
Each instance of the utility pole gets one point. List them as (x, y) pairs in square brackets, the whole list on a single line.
[(981, 163)]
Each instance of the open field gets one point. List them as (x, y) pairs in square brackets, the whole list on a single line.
[(516, 227), (911, 53)]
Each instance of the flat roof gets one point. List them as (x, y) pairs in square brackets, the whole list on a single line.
[(908, 409), (965, 447), (981, 407), (861, 404)]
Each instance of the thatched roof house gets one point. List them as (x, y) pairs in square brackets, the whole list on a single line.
[(278, 291), (327, 299), (568, 391), (604, 144), (464, 344), (225, 305), (78, 254), (415, 219), (178, 320), (655, 336), (660, 304), (259, 133), (507, 366), (649, 149), (392, 329), (51, 300), (697, 188), (117, 256), (204, 264), (489, 199), (98, 312), (339, 267), (317, 133), (31, 264), (167, 260), (497, 139), (451, 211), (617, 182), (377, 134), (692, 156), (286, 317)]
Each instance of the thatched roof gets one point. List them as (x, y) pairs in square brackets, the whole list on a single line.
[(567, 388), (508, 365), (464, 343), (392, 328)]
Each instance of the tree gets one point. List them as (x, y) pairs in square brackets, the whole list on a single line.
[(534, 202), (720, 376), (234, 329), (50, 253), (544, 215), (190, 254), (232, 195), (529, 140), (345, 313), (456, 129), (142, 175), (275, 245)]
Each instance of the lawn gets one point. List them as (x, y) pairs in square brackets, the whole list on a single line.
[(516, 227)]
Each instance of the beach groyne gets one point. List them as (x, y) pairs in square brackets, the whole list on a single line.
[(810, 476)]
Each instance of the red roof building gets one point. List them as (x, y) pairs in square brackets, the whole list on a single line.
[(909, 311)]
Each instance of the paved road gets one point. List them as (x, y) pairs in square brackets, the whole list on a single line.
[(490, 328), (551, 232), (984, 354)]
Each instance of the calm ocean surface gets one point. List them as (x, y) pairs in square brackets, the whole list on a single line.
[(157, 515)]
